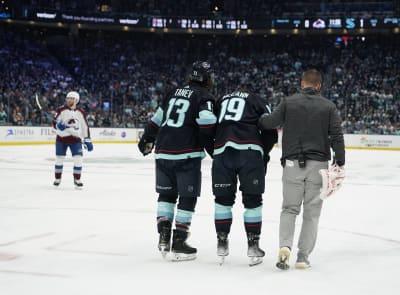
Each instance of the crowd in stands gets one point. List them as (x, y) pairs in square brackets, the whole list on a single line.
[(122, 78)]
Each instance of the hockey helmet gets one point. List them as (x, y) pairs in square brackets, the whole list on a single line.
[(74, 95), (201, 72)]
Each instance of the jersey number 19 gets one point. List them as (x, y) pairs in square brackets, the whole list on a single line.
[(232, 109)]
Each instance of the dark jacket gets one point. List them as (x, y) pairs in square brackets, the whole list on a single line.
[(311, 125)]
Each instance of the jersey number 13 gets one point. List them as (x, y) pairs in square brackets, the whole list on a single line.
[(179, 107)]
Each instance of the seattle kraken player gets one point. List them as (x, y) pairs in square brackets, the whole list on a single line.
[(182, 127), (240, 151)]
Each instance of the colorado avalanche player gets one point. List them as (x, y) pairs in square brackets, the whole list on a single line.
[(72, 127)]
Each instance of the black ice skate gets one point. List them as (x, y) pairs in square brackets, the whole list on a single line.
[(78, 184), (181, 251), (222, 246), (164, 242), (57, 182), (283, 258), (254, 252)]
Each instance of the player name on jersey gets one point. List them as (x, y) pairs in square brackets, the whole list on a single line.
[(184, 92), (237, 94)]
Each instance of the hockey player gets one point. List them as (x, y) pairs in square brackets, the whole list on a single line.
[(240, 151), (71, 125), (181, 128)]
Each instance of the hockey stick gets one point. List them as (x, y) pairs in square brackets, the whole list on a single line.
[(47, 115)]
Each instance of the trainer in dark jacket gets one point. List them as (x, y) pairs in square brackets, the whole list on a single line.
[(311, 125)]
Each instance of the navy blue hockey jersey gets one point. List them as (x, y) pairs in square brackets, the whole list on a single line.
[(184, 123), (238, 114)]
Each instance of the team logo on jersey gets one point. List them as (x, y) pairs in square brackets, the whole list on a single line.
[(73, 123)]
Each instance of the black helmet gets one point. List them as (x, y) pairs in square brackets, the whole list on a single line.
[(202, 73)]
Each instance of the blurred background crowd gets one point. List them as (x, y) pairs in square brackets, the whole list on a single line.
[(122, 76)]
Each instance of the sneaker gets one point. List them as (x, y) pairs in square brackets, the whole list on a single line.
[(283, 258), (57, 181), (302, 262)]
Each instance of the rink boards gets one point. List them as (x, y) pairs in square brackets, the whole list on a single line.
[(27, 135)]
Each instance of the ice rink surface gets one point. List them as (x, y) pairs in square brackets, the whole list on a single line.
[(102, 239)]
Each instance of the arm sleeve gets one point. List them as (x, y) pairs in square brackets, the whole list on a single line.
[(207, 124), (336, 136), (269, 136), (269, 121)]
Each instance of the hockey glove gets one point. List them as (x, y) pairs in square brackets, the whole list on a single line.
[(60, 126), (145, 146), (88, 143), (332, 180)]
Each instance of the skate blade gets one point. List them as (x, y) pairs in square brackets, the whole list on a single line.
[(221, 259), (255, 261), (176, 257), (78, 188), (164, 251), (301, 265), (164, 254)]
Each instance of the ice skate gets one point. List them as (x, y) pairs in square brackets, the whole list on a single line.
[(181, 251), (254, 252), (283, 258), (78, 184), (164, 242), (222, 246), (302, 262), (57, 182)]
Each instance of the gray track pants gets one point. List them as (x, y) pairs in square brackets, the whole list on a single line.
[(301, 186)]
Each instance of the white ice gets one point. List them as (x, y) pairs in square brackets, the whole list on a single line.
[(102, 239)]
